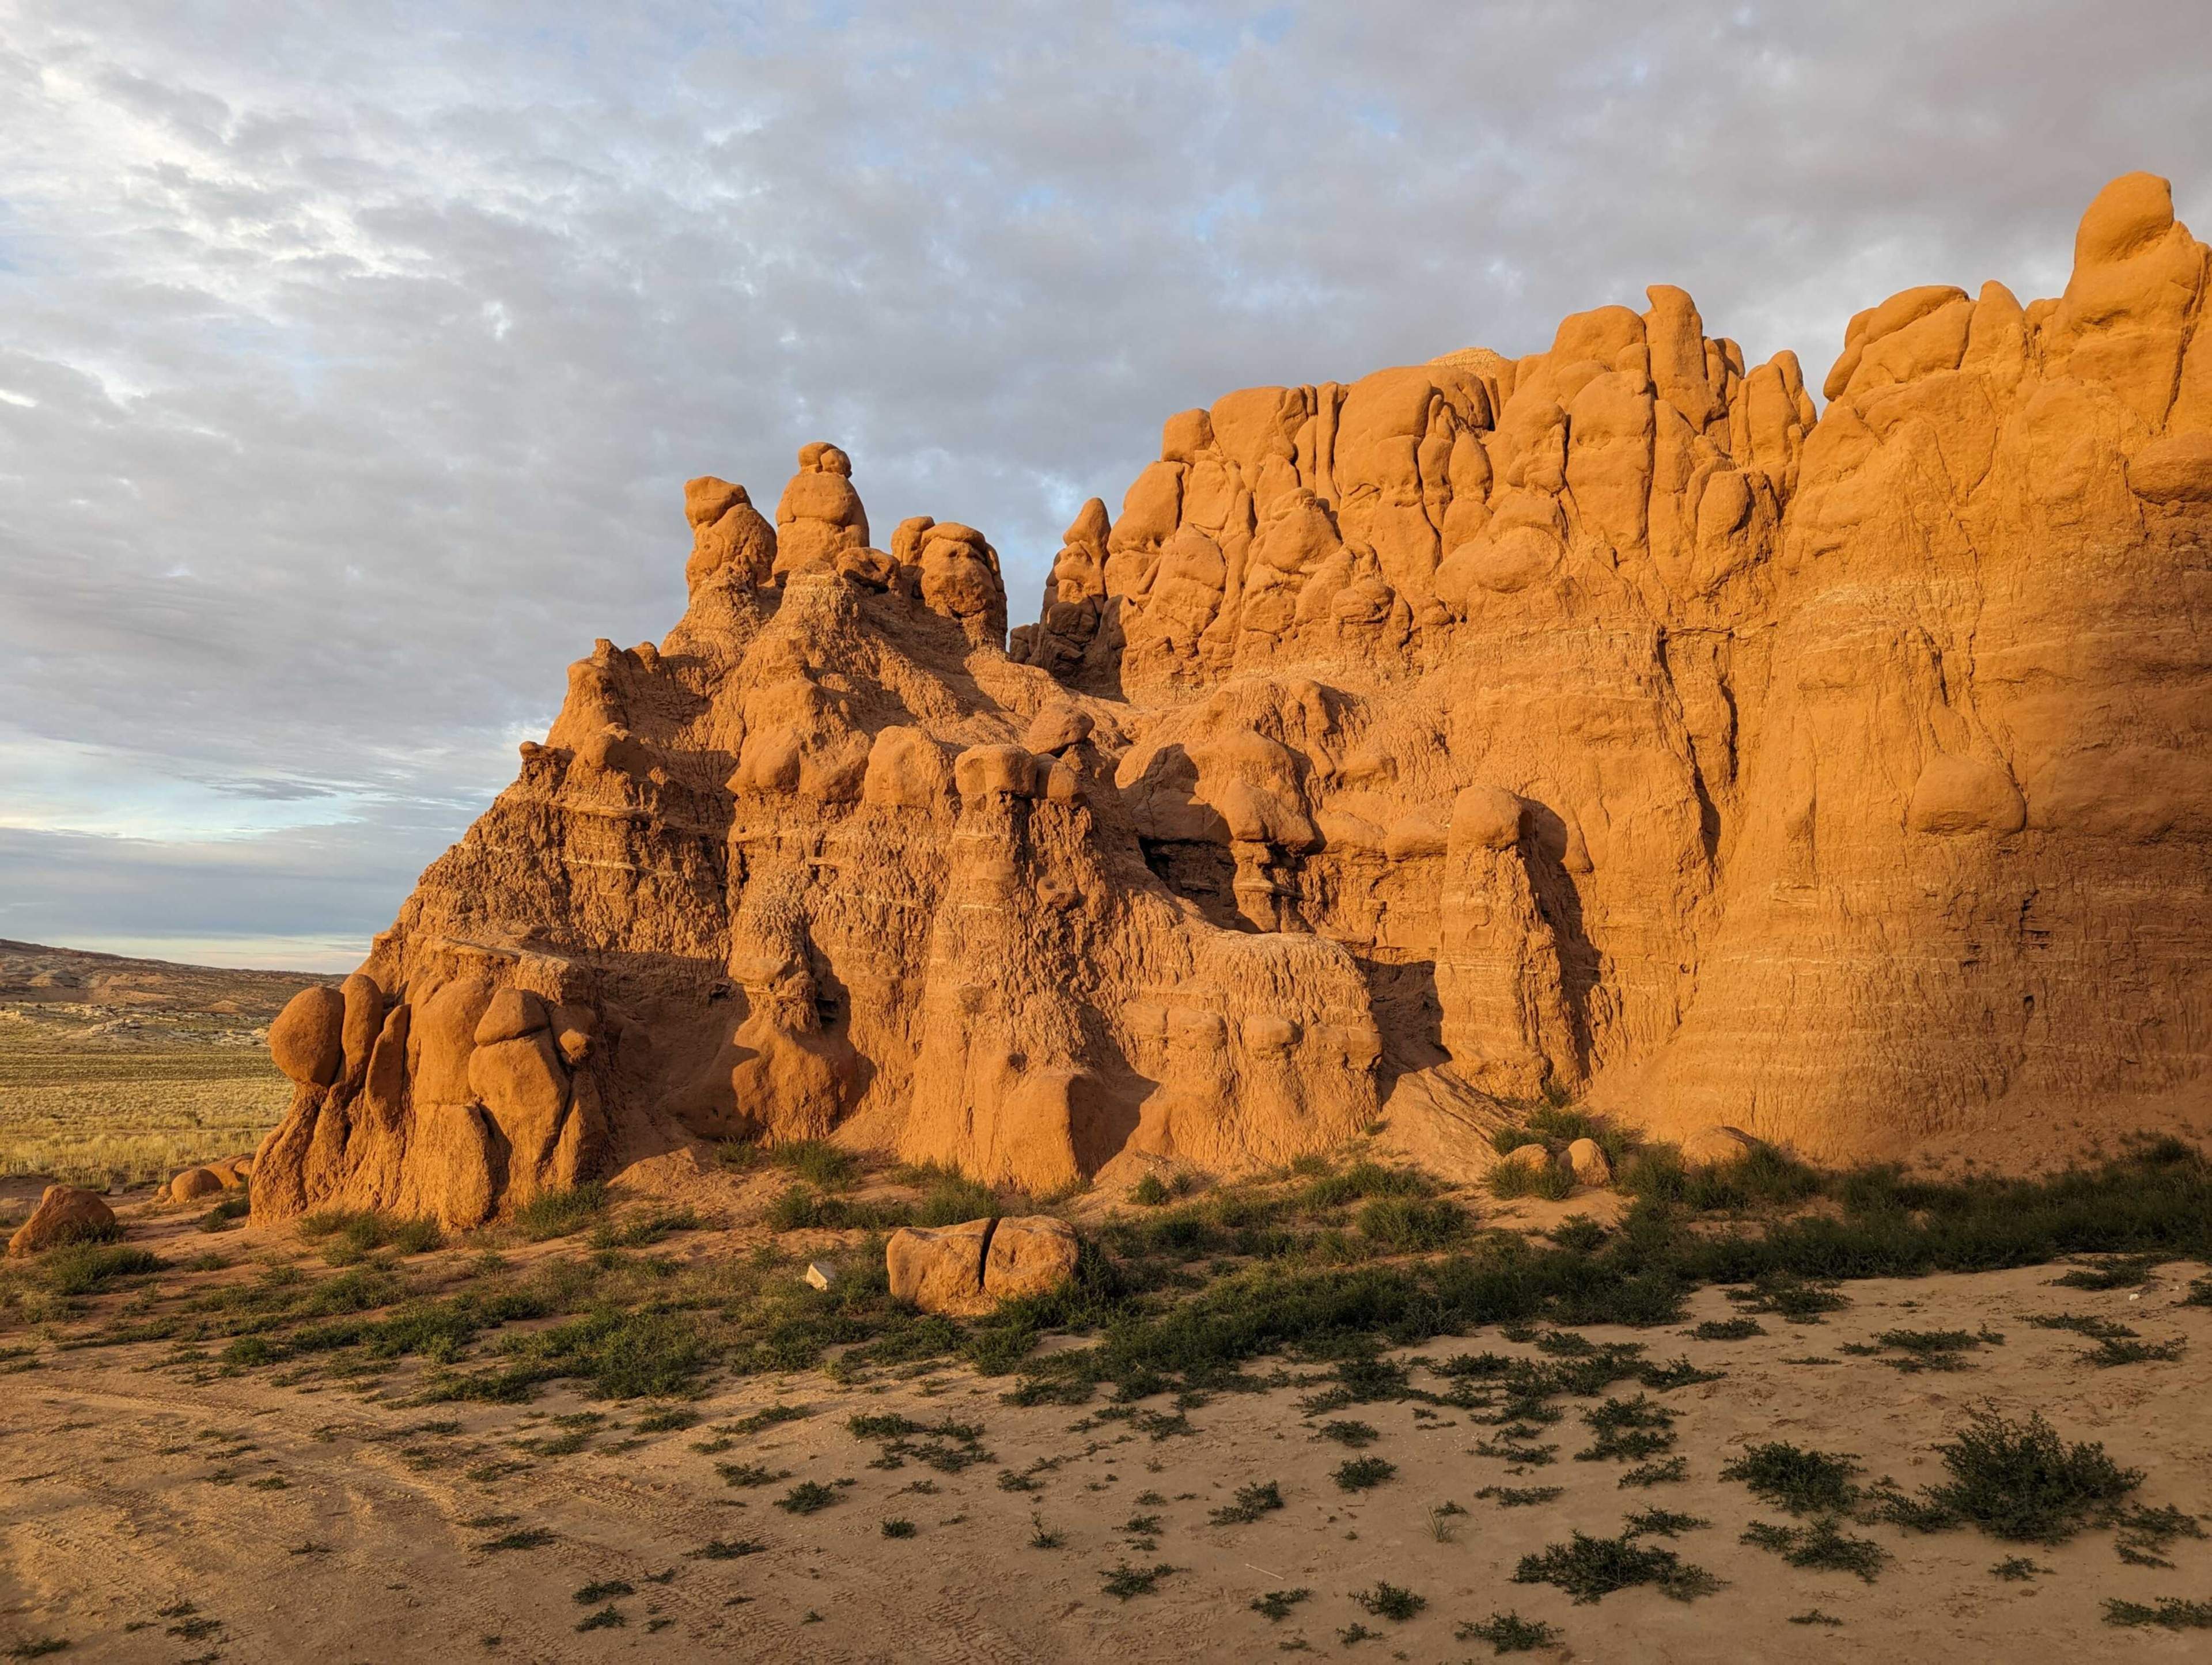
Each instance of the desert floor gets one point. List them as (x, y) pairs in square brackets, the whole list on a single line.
[(153, 1508)]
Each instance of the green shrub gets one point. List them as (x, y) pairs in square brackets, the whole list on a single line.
[(1823, 1547), (2017, 1482), (1387, 1600), (556, 1213), (80, 1267), (1363, 1473), (1151, 1192), (1589, 1568), (1552, 1182), (1509, 1633), (1251, 1503), (1801, 1482), (1405, 1225), (1363, 1180)]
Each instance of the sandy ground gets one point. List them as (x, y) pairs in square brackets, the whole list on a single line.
[(342, 1526)]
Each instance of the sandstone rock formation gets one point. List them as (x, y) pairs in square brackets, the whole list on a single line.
[(64, 1215), (1610, 722)]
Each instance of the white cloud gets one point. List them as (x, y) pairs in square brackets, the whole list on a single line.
[(354, 355)]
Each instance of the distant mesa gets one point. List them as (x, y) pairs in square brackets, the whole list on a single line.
[(1611, 722)]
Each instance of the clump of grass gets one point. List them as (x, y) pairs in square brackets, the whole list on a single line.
[(1823, 1547), (1588, 1568), (1787, 1296), (1392, 1602), (1043, 1538), (1276, 1604), (1353, 1434), (1408, 1225), (1251, 1503), (230, 1210), (1728, 1329), (898, 1529), (1151, 1192), (1363, 1180), (1550, 1181), (1627, 1430), (664, 1422), (1657, 1473), (89, 1265), (532, 1537), (2112, 1350), (1363, 1473), (1804, 1482), (1509, 1633), (2111, 1272), (602, 1591), (1926, 1350), (1125, 1581), (1662, 1523), (2169, 1612), (2016, 1569), (607, 1619), (2145, 1533), (556, 1213), (718, 1549), (807, 1497), (1815, 1616), (1521, 1497), (2018, 1481)]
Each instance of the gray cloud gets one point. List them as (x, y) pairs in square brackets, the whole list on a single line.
[(351, 358)]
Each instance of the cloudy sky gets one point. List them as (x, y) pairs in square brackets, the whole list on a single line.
[(352, 357)]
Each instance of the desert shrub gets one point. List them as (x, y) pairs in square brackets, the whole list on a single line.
[(2018, 1481), (806, 1497), (817, 1161), (1728, 1329), (1363, 1180), (898, 1529), (1588, 1568), (1552, 1182), (1801, 1482), (556, 1213), (1362, 1474), (1251, 1503), (1151, 1191), (640, 1228), (1662, 1522), (1509, 1633), (2168, 1612), (88, 1265), (1823, 1547), (1126, 1581), (1387, 1600), (1404, 1226), (235, 1206), (2113, 1272), (1276, 1604)]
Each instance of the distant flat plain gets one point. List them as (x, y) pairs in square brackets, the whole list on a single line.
[(116, 1071)]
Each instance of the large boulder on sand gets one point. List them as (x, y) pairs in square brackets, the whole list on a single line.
[(1029, 1254), (64, 1215), (1534, 1157), (1587, 1158), (939, 1268), (970, 1268)]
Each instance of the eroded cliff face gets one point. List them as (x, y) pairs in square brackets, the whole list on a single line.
[(1604, 722)]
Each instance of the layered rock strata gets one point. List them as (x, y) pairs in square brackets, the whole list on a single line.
[(1608, 722)]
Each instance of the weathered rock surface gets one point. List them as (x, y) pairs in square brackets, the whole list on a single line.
[(64, 1215), (194, 1183), (1609, 721), (1590, 1164), (970, 1268)]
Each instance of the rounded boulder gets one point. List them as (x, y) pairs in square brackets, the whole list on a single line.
[(65, 1214), (1717, 1146), (307, 1039)]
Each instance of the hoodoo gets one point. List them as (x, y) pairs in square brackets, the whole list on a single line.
[(1609, 721)]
